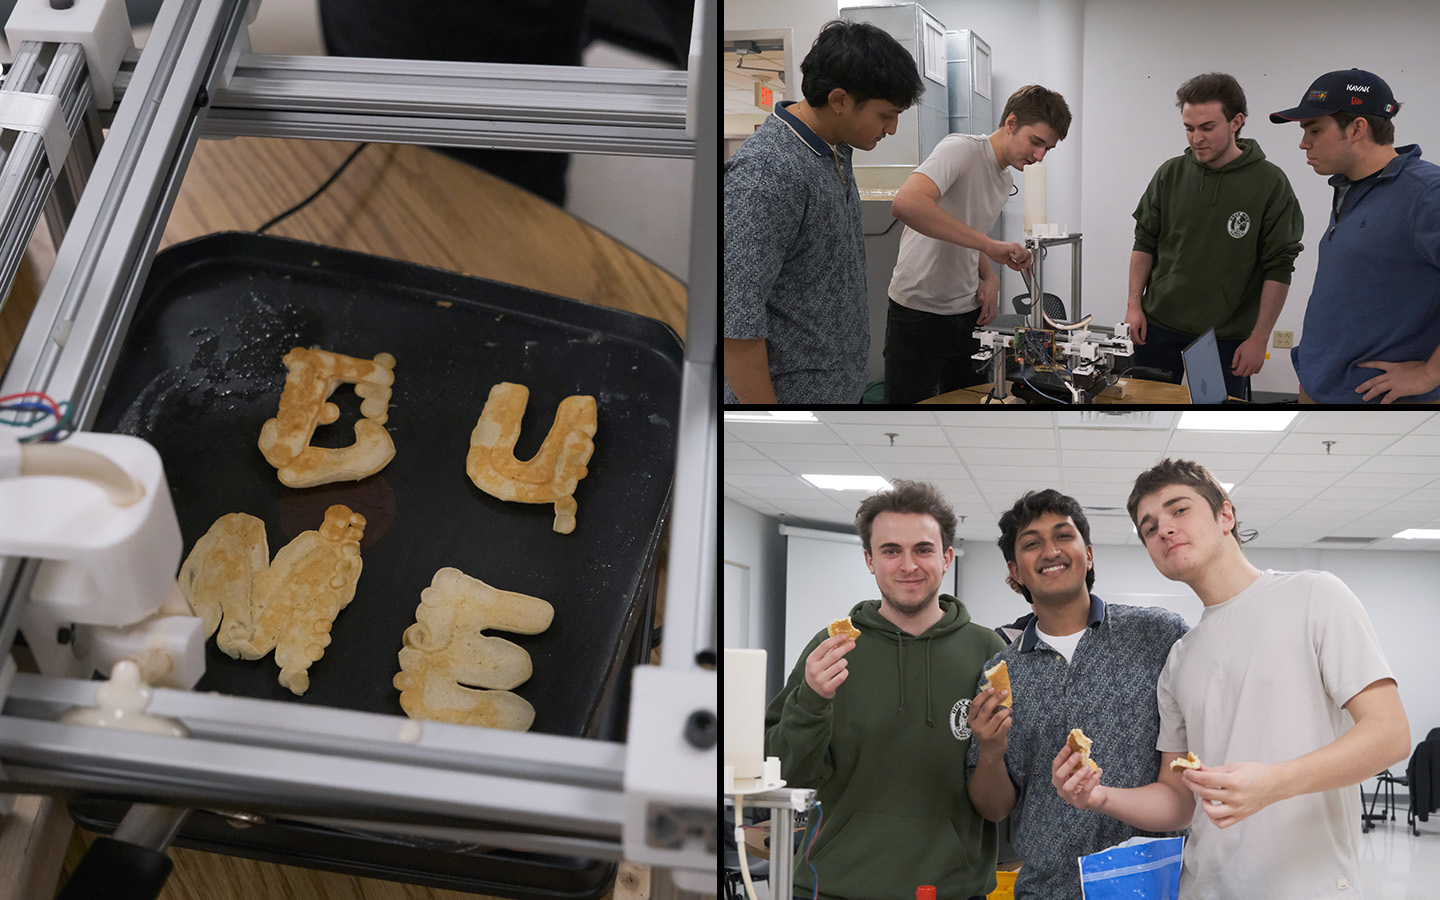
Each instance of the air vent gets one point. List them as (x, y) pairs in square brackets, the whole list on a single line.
[(1131, 420), (1351, 542), (1102, 511)]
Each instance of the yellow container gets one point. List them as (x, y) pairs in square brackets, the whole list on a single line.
[(1004, 887)]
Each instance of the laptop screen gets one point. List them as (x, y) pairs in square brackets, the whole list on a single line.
[(1202, 370)]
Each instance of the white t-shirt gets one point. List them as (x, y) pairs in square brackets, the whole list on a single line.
[(938, 276), (1262, 678), (1063, 644)]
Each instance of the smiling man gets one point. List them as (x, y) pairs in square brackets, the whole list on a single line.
[(796, 311), (1216, 236), (1079, 663), (877, 725), (1376, 300), (945, 283), (1263, 691)]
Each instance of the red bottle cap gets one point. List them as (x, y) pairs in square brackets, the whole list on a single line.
[(925, 892)]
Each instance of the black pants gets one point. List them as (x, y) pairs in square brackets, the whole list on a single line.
[(1162, 348), (928, 354)]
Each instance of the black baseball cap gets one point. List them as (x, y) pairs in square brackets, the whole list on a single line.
[(1348, 90)]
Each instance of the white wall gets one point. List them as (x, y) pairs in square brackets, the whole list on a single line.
[(1139, 53), (753, 541)]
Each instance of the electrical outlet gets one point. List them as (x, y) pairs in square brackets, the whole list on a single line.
[(1284, 339)]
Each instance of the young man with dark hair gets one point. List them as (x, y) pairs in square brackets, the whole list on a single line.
[(944, 284), (797, 320), (1216, 236), (1079, 663), (1262, 691), (1377, 284), (877, 724)]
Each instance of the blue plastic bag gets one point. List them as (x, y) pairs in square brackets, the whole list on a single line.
[(1139, 869)]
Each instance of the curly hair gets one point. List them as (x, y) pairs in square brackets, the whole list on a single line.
[(907, 497)]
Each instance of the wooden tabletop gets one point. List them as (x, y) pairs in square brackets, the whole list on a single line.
[(1127, 391), (397, 201)]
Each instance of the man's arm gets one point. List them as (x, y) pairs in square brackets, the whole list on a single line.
[(917, 205), (799, 721), (1250, 355), (1166, 805), (992, 793), (989, 292), (1140, 265), (747, 371), (1380, 738)]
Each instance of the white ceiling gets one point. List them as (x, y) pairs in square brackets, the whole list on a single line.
[(1381, 474), (740, 83)]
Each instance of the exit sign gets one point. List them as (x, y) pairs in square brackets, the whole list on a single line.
[(764, 97)]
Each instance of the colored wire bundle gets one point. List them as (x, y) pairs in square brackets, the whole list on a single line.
[(814, 834), (30, 408)]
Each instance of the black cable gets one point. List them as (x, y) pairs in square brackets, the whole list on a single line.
[(314, 194)]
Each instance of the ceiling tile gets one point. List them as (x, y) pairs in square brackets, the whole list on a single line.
[(810, 452), (759, 433), (1100, 439), (910, 455), (1360, 422), (1189, 442), (964, 438), (1023, 456), (1418, 445), (1393, 463), (1122, 460), (753, 467), (741, 450), (1345, 444)]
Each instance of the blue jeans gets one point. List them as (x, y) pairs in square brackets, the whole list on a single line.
[(1162, 348)]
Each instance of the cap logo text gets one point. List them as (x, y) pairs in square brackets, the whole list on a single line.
[(1358, 88)]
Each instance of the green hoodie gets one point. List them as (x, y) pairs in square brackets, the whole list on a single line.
[(1217, 235), (886, 757)]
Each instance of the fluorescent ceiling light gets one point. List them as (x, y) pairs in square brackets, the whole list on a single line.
[(1237, 421), (774, 415), (1424, 534), (867, 483)]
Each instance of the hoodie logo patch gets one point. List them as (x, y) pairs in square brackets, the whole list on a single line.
[(1239, 225), (960, 720)]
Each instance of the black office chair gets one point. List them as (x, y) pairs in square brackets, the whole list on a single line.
[(1054, 306), (1423, 776), (1385, 781)]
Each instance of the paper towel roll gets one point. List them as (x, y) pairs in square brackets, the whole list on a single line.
[(1034, 197), (745, 712)]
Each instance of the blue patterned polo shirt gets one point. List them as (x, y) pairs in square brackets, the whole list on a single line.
[(1108, 691), (795, 261)]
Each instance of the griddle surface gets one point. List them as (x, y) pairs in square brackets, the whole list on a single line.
[(201, 371)]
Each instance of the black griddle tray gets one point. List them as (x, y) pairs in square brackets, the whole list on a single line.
[(200, 372)]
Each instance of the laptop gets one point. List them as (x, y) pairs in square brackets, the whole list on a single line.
[(1203, 371)]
